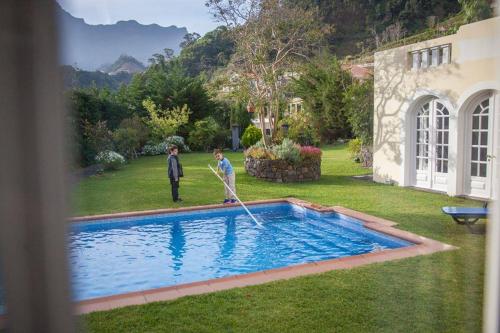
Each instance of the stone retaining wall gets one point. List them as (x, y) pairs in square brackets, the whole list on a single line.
[(281, 171)]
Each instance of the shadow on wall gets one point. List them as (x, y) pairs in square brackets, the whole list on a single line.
[(398, 91)]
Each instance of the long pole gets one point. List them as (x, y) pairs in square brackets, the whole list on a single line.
[(234, 194)]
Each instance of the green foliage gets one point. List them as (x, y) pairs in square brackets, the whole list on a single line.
[(74, 78), (127, 141), (164, 123), (476, 10), (354, 148), (153, 149), (179, 142), (260, 144), (260, 153), (288, 151), (206, 54), (358, 101), (356, 21), (97, 137), (322, 85), (301, 129), (137, 124), (88, 107), (251, 136), (203, 135)]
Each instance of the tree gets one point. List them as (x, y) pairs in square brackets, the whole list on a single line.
[(322, 85), (208, 53), (358, 100), (203, 135), (476, 10), (271, 37), (189, 39), (164, 123), (127, 141)]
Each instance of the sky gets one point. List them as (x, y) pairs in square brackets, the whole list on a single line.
[(191, 14)]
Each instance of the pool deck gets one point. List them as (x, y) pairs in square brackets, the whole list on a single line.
[(422, 246)]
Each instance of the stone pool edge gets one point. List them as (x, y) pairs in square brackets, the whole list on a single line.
[(423, 246)]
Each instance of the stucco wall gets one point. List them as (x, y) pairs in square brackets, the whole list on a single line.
[(398, 89)]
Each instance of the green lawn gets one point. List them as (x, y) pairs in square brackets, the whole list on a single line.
[(436, 293)]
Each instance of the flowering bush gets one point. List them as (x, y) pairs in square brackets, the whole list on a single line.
[(151, 149), (110, 160), (179, 142), (260, 153), (310, 152), (287, 150)]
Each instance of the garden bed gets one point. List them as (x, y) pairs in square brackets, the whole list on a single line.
[(281, 171)]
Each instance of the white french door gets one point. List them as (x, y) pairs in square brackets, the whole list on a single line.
[(431, 146), (479, 168)]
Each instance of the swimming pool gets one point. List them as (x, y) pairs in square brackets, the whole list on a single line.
[(129, 254)]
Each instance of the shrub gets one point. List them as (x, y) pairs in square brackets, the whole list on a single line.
[(260, 153), (179, 142), (288, 151), (203, 134), (164, 123), (152, 149), (222, 138), (251, 136), (260, 144), (98, 137), (354, 148), (127, 141), (310, 153), (110, 160), (359, 109), (137, 124), (301, 129)]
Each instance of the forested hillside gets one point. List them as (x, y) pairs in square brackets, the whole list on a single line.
[(357, 25)]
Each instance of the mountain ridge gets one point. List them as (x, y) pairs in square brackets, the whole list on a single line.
[(89, 47)]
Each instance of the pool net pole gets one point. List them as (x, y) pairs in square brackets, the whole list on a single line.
[(234, 194)]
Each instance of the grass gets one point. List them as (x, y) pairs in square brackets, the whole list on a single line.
[(436, 293)]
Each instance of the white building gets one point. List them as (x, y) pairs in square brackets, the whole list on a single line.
[(437, 112)]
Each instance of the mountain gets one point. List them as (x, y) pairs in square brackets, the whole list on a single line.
[(124, 64), (78, 78), (90, 46)]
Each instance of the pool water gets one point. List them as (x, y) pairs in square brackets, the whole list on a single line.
[(123, 255)]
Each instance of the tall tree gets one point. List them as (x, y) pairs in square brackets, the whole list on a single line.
[(271, 37), (322, 85)]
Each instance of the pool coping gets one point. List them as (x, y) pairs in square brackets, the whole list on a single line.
[(422, 246)]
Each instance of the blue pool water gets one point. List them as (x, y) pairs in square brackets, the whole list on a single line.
[(138, 253)]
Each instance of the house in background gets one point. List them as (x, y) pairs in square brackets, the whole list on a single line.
[(360, 72), (437, 112)]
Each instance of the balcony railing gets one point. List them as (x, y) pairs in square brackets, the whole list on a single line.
[(430, 57)]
